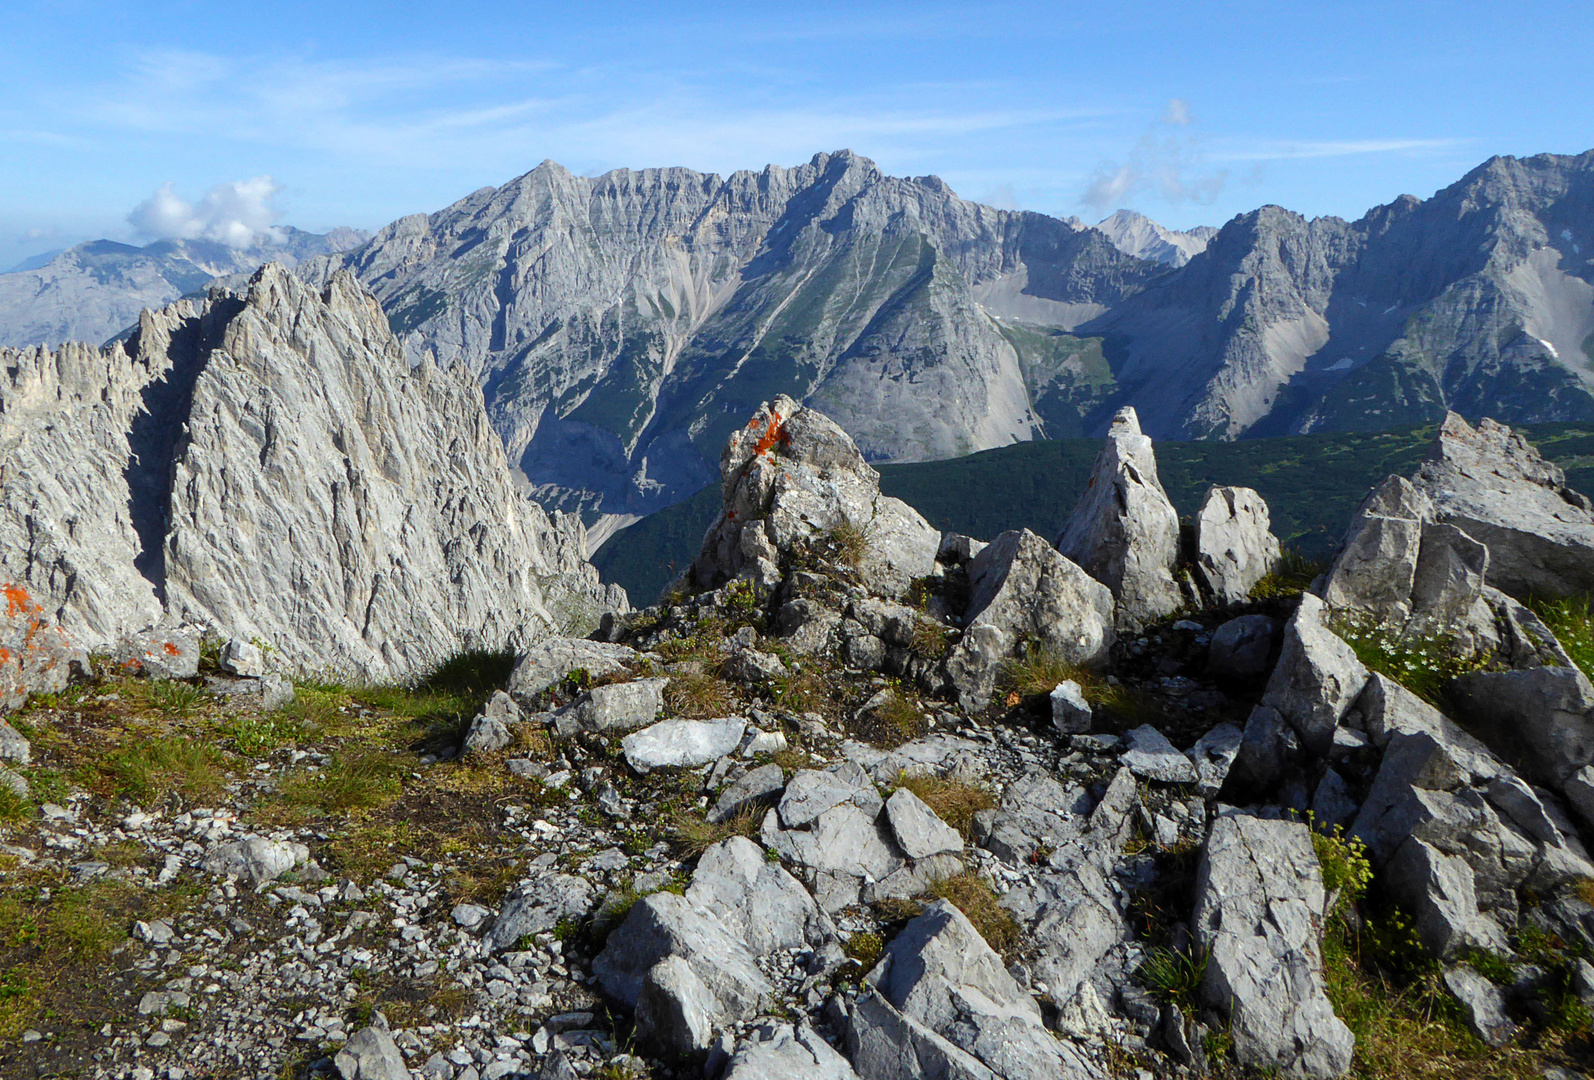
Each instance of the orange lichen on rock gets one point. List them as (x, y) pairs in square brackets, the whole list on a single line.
[(776, 433), (18, 602), (172, 650)]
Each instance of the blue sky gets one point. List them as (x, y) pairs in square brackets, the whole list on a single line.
[(360, 113)]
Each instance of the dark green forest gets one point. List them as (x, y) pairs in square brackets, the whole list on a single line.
[(1312, 484)]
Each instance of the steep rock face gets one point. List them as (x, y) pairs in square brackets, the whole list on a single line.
[(1480, 299), (1124, 532), (94, 290), (620, 324), (268, 465), (1137, 235)]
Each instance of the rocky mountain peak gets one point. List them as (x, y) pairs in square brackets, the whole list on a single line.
[(268, 466)]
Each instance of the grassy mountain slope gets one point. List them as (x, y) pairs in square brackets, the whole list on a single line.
[(1312, 484)]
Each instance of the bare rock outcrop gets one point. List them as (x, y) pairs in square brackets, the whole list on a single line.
[(1490, 482), (1235, 545), (1259, 906), (1124, 531), (793, 478), (267, 465)]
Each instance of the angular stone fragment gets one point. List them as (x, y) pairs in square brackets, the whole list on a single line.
[(1494, 486), (675, 1013), (492, 729), (1023, 591), (1124, 532), (1071, 713), (1377, 563), (371, 1054), (918, 831), (842, 851), (550, 660), (538, 905), (613, 707), (158, 654), (756, 900), (1259, 903), (13, 746), (781, 1052), (1482, 1005), (791, 479), (682, 743), (1235, 547), (750, 667), (811, 792), (1317, 677), (1152, 756), (255, 860), (1542, 717), (940, 975), (1213, 755), (665, 924), (759, 787), (1240, 648), (243, 658)]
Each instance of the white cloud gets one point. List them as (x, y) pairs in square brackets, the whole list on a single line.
[(1170, 166), (1177, 113), (1276, 150), (239, 214)]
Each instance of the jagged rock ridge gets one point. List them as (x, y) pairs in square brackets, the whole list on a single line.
[(91, 291), (623, 325), (267, 465)]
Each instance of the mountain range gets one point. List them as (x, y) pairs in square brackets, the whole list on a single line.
[(621, 325), (93, 291)]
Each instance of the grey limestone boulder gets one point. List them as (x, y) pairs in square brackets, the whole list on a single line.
[(613, 707), (841, 852), (666, 925), (1316, 679), (757, 901), (676, 1014), (37, 655), (539, 904), (1376, 566), (918, 831), (1152, 756), (759, 787), (255, 860), (1482, 1005), (158, 653), (811, 792), (941, 977), (793, 478), (492, 729), (679, 743), (242, 658), (14, 746), (1071, 713), (1542, 717), (1235, 545), (1022, 590), (784, 1052), (1241, 647), (1259, 906), (371, 1054), (750, 667), (550, 660), (1123, 531), (1492, 484), (1213, 756)]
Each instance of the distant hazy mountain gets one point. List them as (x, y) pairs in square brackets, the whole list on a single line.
[(94, 290), (1138, 235), (622, 325)]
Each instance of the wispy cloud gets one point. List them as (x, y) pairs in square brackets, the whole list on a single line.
[(1167, 162), (434, 112), (1294, 151)]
